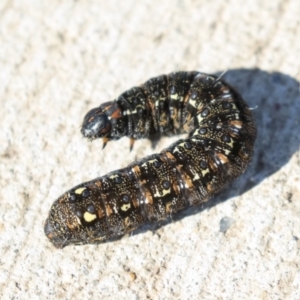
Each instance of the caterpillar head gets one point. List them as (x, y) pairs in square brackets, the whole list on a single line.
[(96, 124), (75, 218), (104, 122)]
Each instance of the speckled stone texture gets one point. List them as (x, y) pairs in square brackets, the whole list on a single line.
[(58, 59)]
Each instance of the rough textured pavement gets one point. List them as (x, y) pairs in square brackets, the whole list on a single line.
[(58, 59)]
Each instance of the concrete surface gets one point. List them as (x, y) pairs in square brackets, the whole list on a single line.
[(58, 59)]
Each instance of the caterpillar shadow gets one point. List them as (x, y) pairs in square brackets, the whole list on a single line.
[(275, 100)]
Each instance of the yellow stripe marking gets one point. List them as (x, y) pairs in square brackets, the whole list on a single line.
[(88, 217), (165, 192), (227, 151), (149, 161), (193, 102), (196, 177), (230, 144), (80, 190), (204, 172), (199, 118), (125, 207), (174, 97), (176, 150)]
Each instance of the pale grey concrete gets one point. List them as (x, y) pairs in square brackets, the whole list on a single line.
[(58, 59)]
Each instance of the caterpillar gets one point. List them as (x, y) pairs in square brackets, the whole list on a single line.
[(220, 139)]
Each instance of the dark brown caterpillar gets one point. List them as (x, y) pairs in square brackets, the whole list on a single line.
[(219, 146)]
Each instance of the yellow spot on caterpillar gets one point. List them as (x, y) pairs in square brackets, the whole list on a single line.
[(193, 102), (164, 192), (204, 172), (196, 177), (114, 176), (149, 161), (79, 190), (125, 207), (174, 96), (88, 217), (196, 132), (199, 118), (176, 150), (230, 144), (227, 151)]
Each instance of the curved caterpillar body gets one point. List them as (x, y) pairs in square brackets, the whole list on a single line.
[(219, 146)]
